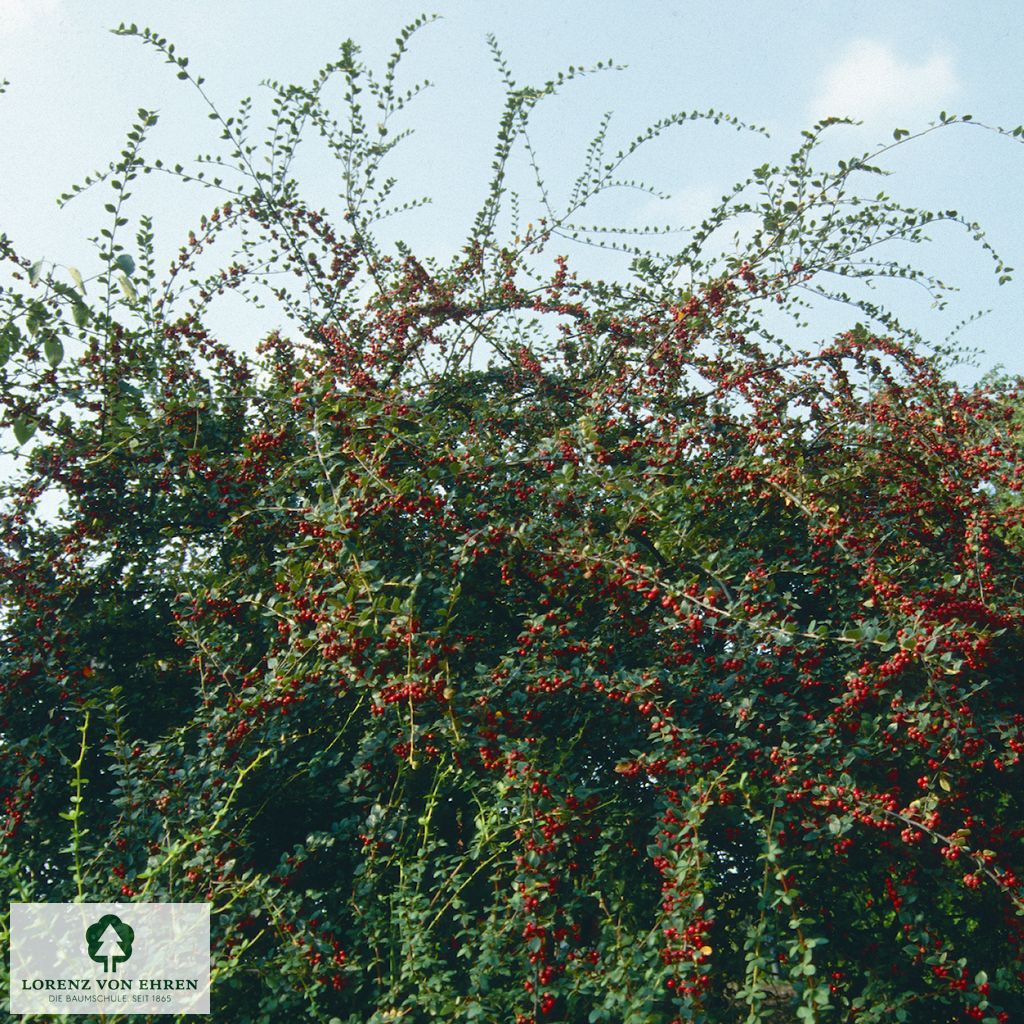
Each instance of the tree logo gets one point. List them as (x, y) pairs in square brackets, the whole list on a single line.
[(109, 941)]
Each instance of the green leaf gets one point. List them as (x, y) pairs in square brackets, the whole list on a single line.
[(10, 341), (23, 429), (80, 313), (35, 272), (125, 264), (129, 289), (77, 278), (53, 349), (36, 317)]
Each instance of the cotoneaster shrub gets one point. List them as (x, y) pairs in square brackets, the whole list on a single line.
[(499, 645)]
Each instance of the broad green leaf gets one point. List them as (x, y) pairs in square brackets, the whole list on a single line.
[(77, 278), (125, 264), (80, 313), (35, 272), (23, 429), (36, 317), (53, 349)]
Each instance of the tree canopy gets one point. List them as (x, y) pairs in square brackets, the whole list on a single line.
[(499, 644)]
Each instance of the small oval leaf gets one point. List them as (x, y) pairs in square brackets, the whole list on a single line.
[(53, 349), (36, 317), (23, 429), (81, 313), (129, 289)]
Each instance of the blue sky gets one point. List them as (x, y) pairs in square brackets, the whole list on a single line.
[(75, 87)]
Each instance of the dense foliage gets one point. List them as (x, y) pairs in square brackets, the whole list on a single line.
[(497, 645)]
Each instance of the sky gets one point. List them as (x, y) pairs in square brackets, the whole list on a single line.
[(74, 89)]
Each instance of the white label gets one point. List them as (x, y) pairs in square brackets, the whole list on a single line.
[(116, 958)]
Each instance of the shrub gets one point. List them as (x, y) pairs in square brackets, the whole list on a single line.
[(496, 644)]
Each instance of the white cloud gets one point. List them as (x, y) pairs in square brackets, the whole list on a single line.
[(15, 14), (870, 81)]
